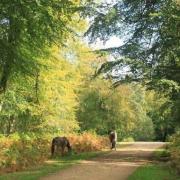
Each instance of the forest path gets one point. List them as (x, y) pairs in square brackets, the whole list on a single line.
[(116, 165)]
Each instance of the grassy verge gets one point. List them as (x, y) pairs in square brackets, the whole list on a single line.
[(51, 166), (156, 171), (161, 154)]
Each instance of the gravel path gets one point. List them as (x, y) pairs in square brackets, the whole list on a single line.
[(116, 165)]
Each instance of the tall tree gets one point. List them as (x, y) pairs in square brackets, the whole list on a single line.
[(124, 108), (151, 50), (27, 29), (151, 33)]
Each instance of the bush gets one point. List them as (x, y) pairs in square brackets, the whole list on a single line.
[(18, 152), (174, 148), (88, 142)]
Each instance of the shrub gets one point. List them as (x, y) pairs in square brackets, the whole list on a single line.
[(18, 152), (86, 142), (174, 148)]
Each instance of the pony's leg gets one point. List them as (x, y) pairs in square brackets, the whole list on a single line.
[(62, 151), (111, 145), (52, 148), (58, 150)]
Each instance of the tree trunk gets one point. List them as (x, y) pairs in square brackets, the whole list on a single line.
[(13, 35)]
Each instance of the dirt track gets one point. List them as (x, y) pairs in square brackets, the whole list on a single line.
[(117, 165)]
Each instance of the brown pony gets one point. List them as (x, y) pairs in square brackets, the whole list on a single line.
[(60, 143), (113, 139)]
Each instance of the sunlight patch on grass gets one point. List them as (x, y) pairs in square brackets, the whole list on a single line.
[(154, 172)]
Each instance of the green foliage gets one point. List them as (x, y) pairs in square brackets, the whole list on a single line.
[(57, 93), (41, 82), (47, 101), (102, 108), (150, 30), (144, 130), (160, 110), (19, 110), (174, 148), (162, 154), (27, 29)]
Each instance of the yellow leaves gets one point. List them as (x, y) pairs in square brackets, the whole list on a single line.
[(76, 1), (60, 80), (178, 2), (88, 142), (59, 84), (21, 153), (17, 153)]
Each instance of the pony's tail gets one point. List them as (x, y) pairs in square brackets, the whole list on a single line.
[(52, 148)]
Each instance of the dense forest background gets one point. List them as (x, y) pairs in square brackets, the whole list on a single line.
[(51, 81), (55, 81)]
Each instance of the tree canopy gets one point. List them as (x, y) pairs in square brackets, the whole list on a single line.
[(49, 76), (151, 49), (27, 29), (150, 30)]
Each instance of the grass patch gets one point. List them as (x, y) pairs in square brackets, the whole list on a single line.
[(158, 170), (49, 167), (161, 152), (154, 172)]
